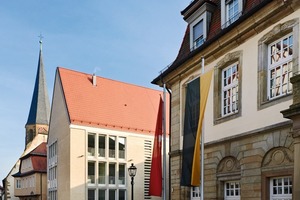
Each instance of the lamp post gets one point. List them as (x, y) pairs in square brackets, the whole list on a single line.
[(132, 173)]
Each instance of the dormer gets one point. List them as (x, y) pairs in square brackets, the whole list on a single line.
[(231, 10), (198, 16)]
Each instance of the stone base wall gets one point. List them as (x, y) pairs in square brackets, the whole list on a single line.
[(252, 159)]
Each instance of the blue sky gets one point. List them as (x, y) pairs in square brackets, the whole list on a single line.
[(129, 41)]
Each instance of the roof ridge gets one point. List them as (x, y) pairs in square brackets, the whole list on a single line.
[(109, 79)]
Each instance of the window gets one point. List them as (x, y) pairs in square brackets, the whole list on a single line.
[(101, 144), (18, 184), (91, 194), (195, 193), (51, 172), (199, 20), (101, 195), (101, 171), (106, 172), (227, 84), (231, 11), (232, 190), (91, 172), (281, 188), (198, 38), (112, 146), (122, 194), (280, 64), (112, 173), (91, 145), (121, 148), (276, 63), (230, 90), (121, 174), (112, 194)]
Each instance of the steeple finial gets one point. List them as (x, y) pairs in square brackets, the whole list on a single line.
[(41, 42)]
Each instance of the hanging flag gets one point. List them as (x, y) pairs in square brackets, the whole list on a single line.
[(155, 187), (191, 117), (205, 80)]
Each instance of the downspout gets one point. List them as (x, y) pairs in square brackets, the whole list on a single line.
[(170, 93)]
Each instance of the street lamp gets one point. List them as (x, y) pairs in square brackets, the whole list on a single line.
[(132, 173)]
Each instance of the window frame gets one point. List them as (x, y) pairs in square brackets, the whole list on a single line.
[(228, 60), (202, 18), (225, 21), (280, 65), (276, 196), (229, 87), (277, 32), (234, 197)]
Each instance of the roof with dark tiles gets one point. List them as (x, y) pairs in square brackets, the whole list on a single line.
[(39, 112), (215, 31)]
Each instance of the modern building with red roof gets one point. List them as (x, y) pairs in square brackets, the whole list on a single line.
[(98, 127), (251, 147), (31, 180)]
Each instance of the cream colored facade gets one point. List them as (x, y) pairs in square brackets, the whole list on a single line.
[(253, 145), (71, 157), (32, 186)]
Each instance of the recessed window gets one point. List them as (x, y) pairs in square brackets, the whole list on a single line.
[(112, 147), (227, 87), (277, 62), (91, 172), (231, 11), (230, 88), (280, 70), (101, 173), (198, 38), (195, 193), (232, 190), (101, 144), (112, 173), (91, 194), (121, 174), (121, 147), (281, 188), (101, 195), (91, 145)]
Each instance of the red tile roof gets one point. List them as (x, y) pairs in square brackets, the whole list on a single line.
[(38, 157), (111, 104)]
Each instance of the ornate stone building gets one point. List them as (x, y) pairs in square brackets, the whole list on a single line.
[(252, 46)]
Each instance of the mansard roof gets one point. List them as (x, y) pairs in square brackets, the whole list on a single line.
[(110, 104), (215, 30), (39, 112)]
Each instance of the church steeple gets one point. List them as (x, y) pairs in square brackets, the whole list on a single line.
[(39, 113)]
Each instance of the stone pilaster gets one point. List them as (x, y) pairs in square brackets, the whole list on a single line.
[(293, 113)]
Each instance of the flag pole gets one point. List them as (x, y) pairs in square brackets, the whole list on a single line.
[(164, 145), (202, 150)]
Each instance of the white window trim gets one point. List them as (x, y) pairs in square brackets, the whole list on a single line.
[(280, 63), (195, 193), (192, 24), (234, 197), (281, 196), (224, 11), (232, 85)]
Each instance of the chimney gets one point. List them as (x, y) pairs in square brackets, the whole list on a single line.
[(94, 79)]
